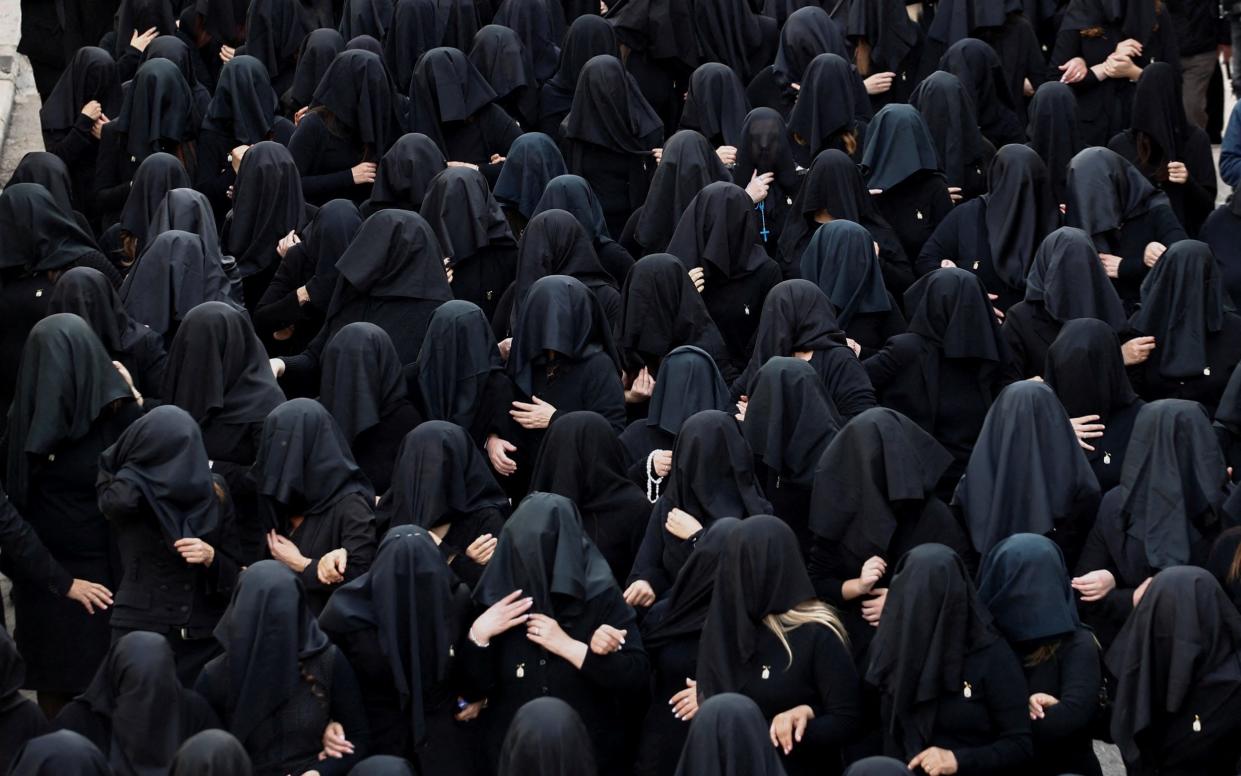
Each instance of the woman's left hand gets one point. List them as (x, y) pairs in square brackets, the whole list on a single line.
[(788, 727), (335, 745), (535, 415), (1178, 172), (286, 552), (1153, 253), (547, 633), (935, 762), (195, 551), (681, 524), (331, 570)]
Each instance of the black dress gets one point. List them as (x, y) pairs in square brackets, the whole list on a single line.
[(914, 207)]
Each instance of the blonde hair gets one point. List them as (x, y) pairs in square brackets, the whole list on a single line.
[(812, 612)]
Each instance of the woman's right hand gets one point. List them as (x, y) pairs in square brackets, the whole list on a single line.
[(1073, 71), (509, 612), (1094, 585), (640, 593), (661, 462), (363, 173), (140, 40), (699, 278), (497, 452), (879, 83), (92, 110), (91, 595), (872, 571), (1137, 350), (1040, 702), (481, 549), (277, 367), (1087, 427), (685, 703), (335, 745)]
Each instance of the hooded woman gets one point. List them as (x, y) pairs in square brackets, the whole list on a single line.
[(765, 148), (807, 33), (157, 175), (828, 112), (873, 500), (581, 459), (1178, 677), (276, 35), (176, 533), (474, 235), (50, 171), (404, 173), (767, 637), (573, 194), (1053, 131), (548, 592), (400, 624), (587, 37), (414, 30), (889, 49), (944, 372), (281, 686), (211, 753), (547, 737), (964, 154), (533, 160), (315, 500), (1001, 230), (1065, 281), (314, 53), (1197, 340), (1130, 221), (729, 732), (981, 73), (506, 64), (70, 404), (62, 752), (952, 694), (1027, 474), (715, 105), (135, 710), (1165, 512), (687, 165), (1025, 584), (711, 477), (441, 484)]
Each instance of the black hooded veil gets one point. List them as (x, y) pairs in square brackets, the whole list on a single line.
[(404, 173), (1053, 132), (790, 419), (949, 114), (458, 358), (63, 753), (1182, 307), (715, 104), (174, 274), (547, 737), (688, 165), (361, 382), (1021, 211), (1068, 280), (729, 735), (1025, 584), (841, 261), (660, 311), (533, 160), (267, 205), (211, 753)]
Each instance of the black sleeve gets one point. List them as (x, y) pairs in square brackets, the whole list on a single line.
[(1015, 367), (1081, 678), (629, 667), (278, 307), (305, 147), (825, 571), (607, 394), (838, 714), (223, 571), (347, 709), (943, 243), (649, 565), (75, 144), (24, 554), (1007, 701), (1116, 605), (357, 537), (891, 360), (111, 182), (848, 383)]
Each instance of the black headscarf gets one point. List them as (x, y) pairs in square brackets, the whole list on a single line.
[(189, 211), (161, 455), (1087, 371), (664, 29), (728, 31), (688, 383), (211, 753), (91, 75), (760, 573), (324, 241), (501, 58), (140, 16), (406, 596), (1136, 19), (581, 459), (886, 26), (931, 621), (439, 475), (158, 107), (797, 316), (729, 737), (949, 308), (833, 183), (158, 174), (414, 30), (532, 161), (532, 21), (1025, 584), (841, 261), (547, 737), (405, 172), (1181, 641), (958, 19), (825, 104), (63, 753), (243, 107), (356, 90), (304, 462), (563, 315), (217, 369), (1182, 306), (49, 171), (806, 34), (137, 691), (395, 255), (588, 36), (365, 17), (224, 20), (688, 165), (266, 632), (174, 274), (713, 470), (1173, 473), (715, 104), (276, 30), (764, 146), (544, 552), (1104, 191), (609, 110), (684, 609), (982, 74), (457, 358), (1159, 113), (660, 310), (1027, 472), (314, 54), (718, 232), (1021, 211), (64, 384), (38, 235), (877, 458), (361, 380), (574, 194), (1053, 131), (466, 218), (949, 114), (790, 419), (1068, 280), (267, 205), (554, 243), (898, 144), (177, 51), (877, 766), (445, 86)]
